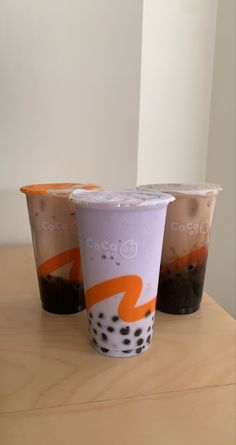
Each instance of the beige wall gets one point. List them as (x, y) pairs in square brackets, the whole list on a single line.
[(221, 160), (176, 79), (69, 105)]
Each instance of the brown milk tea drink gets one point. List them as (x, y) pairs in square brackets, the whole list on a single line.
[(56, 247), (185, 246), (120, 235)]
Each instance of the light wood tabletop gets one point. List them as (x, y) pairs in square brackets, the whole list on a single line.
[(55, 389)]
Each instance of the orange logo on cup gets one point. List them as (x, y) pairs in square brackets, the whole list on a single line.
[(131, 286), (62, 259)]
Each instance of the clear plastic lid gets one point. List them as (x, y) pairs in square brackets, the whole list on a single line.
[(120, 198), (183, 189), (62, 188)]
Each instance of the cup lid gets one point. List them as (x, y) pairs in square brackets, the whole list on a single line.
[(184, 188), (120, 198), (62, 188)]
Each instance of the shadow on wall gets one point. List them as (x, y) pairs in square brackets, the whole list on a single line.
[(15, 228)]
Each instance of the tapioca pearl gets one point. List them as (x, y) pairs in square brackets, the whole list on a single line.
[(148, 313), (90, 315), (192, 207), (138, 332), (115, 318), (125, 331), (127, 351), (104, 336), (148, 339), (42, 205), (138, 350), (95, 331), (149, 328), (99, 324), (117, 264), (104, 350), (89, 322), (126, 341), (139, 342), (110, 329), (100, 315), (94, 341), (103, 257)]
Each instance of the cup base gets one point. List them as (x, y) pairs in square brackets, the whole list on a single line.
[(61, 296), (63, 311), (121, 354), (178, 311)]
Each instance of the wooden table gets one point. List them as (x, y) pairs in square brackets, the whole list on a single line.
[(55, 389)]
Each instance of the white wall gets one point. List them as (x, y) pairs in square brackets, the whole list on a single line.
[(176, 79), (69, 98), (221, 161)]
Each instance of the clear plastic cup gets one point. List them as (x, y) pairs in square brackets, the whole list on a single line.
[(121, 235), (56, 246), (185, 246)]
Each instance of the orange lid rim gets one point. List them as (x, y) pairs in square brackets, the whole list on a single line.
[(45, 189)]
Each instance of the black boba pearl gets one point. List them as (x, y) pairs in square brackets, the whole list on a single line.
[(148, 313), (149, 328), (139, 342), (138, 350), (94, 341), (149, 339), (124, 331), (101, 315), (99, 324), (95, 331), (190, 267), (127, 351), (115, 318), (138, 332), (104, 337), (90, 322), (91, 315), (104, 350), (126, 341), (110, 329)]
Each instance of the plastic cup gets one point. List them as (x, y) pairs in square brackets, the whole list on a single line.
[(121, 235), (185, 246), (56, 247)]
